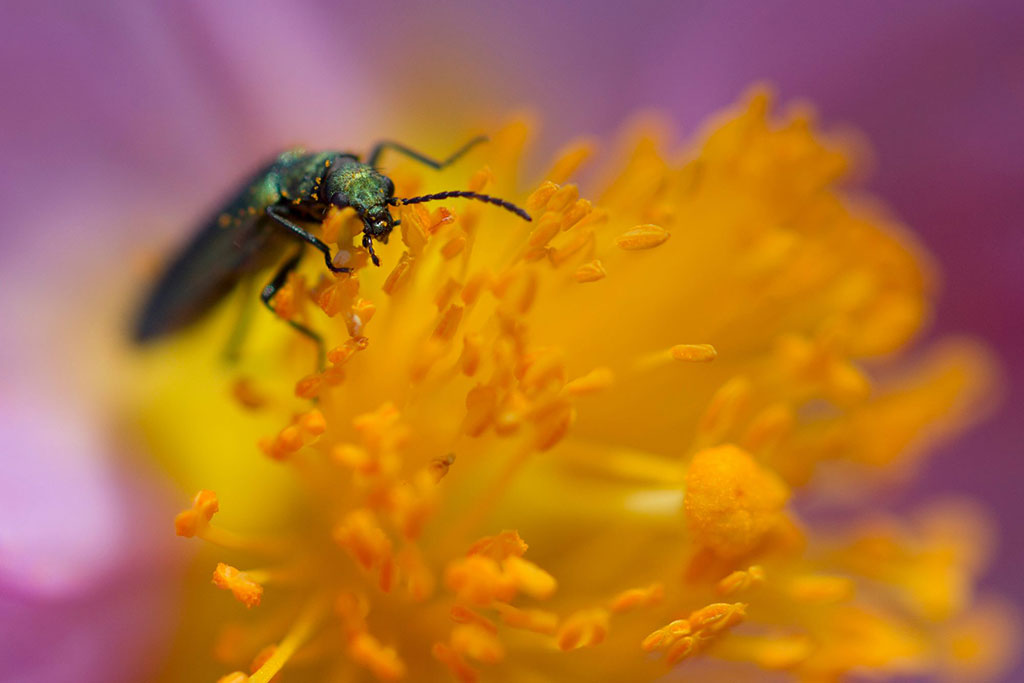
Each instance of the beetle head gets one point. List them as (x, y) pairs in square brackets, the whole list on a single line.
[(370, 193)]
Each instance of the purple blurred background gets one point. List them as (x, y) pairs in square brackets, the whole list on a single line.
[(122, 121)]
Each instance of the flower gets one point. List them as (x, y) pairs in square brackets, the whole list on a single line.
[(579, 448), (85, 586)]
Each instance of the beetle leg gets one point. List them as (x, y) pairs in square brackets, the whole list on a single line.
[(278, 214), (232, 350), (422, 158), (280, 277)]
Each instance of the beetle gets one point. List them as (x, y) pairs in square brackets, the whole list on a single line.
[(267, 214)]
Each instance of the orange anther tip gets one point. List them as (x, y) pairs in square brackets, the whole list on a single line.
[(454, 246), (314, 422), (290, 438), (530, 578), (694, 353), (455, 663), (474, 641), (464, 615), (206, 504), (539, 621), (590, 272), (540, 197), (582, 629), (245, 590), (309, 386), (190, 522), (506, 544), (642, 237), (637, 597), (382, 661), (717, 617), (186, 523), (683, 648), (596, 380)]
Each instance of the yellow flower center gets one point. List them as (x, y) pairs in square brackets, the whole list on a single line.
[(636, 386)]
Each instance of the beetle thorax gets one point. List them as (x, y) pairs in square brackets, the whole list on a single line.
[(361, 187)]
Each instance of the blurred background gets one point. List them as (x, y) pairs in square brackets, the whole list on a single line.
[(122, 122)]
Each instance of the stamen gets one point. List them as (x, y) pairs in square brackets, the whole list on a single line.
[(448, 323), (694, 353), (593, 382), (293, 640), (569, 160), (642, 237), (458, 667), (590, 272), (464, 615), (472, 640), (530, 578), (538, 201), (382, 661), (741, 580), (584, 628), (575, 214), (245, 589), (398, 275), (536, 620), (193, 521), (637, 597), (454, 246)]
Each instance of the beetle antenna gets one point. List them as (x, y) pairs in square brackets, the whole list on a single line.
[(508, 206)]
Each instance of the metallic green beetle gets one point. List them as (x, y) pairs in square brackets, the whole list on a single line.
[(267, 215)]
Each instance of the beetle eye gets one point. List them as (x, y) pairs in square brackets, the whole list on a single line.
[(391, 187), (340, 200)]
